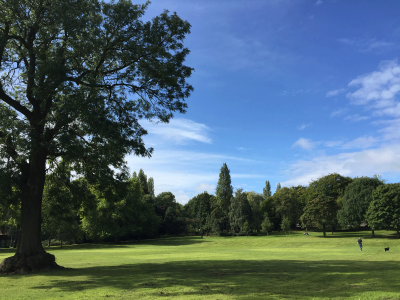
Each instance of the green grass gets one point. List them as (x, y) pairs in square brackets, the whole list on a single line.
[(274, 267)]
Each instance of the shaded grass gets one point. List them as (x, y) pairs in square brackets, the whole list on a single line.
[(274, 267)]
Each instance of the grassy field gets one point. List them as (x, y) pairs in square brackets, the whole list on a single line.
[(273, 267)]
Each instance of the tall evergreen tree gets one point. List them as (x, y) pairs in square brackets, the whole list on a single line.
[(134, 175), (267, 190), (143, 181), (150, 186), (278, 187), (224, 190)]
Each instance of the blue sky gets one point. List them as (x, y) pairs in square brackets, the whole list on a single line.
[(285, 91)]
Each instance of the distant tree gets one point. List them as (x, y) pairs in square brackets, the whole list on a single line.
[(255, 200), (278, 187), (134, 175), (332, 185), (266, 225), (203, 209), (267, 190), (60, 208), (161, 203), (246, 227), (356, 200), (287, 204), (217, 220), (320, 212), (120, 211), (285, 225), (239, 211), (384, 209), (224, 192), (143, 181), (150, 186)]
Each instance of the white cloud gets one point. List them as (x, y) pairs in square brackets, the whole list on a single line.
[(179, 130), (243, 149), (363, 163), (361, 143), (209, 188), (391, 131), (356, 118), (304, 126), (304, 143), (319, 2), (335, 92), (338, 112), (333, 143), (378, 88)]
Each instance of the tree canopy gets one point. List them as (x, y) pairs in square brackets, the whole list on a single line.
[(384, 210), (76, 78), (356, 200)]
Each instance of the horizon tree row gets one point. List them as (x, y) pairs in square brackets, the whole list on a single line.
[(327, 202)]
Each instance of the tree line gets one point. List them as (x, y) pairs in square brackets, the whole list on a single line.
[(127, 208), (326, 203)]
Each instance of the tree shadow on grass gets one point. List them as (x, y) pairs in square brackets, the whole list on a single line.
[(233, 278)]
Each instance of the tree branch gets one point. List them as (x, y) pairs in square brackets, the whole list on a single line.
[(15, 104)]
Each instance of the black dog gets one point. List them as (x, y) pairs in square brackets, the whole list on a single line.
[(387, 249)]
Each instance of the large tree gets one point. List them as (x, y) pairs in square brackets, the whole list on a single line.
[(384, 209), (355, 201), (320, 212), (332, 185), (75, 79)]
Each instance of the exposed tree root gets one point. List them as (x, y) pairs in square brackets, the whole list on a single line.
[(21, 264)]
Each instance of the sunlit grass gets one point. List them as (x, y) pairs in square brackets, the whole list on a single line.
[(273, 267)]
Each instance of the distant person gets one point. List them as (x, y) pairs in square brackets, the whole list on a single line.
[(359, 242)]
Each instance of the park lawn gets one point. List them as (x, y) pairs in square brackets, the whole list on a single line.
[(262, 267)]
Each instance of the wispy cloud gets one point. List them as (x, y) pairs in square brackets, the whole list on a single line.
[(304, 126), (180, 131), (338, 112), (333, 143), (319, 2), (335, 92), (367, 44), (356, 118), (304, 144), (361, 143)]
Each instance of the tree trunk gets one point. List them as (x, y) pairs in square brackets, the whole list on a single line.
[(30, 255), (323, 226), (373, 233)]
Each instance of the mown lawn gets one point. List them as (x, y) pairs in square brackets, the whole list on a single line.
[(273, 267)]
